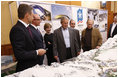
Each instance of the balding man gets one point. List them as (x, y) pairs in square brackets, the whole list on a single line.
[(113, 28), (65, 42), (37, 37), (91, 37), (72, 25)]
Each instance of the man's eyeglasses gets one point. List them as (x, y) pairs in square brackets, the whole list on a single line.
[(38, 19), (73, 23)]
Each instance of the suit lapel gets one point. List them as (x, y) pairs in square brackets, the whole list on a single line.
[(61, 36), (24, 28), (28, 34), (36, 32), (70, 35), (110, 29), (115, 29), (26, 31)]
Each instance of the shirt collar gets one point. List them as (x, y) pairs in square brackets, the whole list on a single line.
[(64, 29), (89, 29), (71, 27), (34, 26), (114, 23), (26, 25)]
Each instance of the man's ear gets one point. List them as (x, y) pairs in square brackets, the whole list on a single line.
[(26, 15)]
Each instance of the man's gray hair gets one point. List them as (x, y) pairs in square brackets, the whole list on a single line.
[(63, 18), (90, 20)]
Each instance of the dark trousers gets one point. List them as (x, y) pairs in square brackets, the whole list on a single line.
[(50, 58), (86, 49), (41, 58), (68, 53)]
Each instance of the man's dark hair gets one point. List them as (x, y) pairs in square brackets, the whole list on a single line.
[(47, 25), (23, 9), (71, 21)]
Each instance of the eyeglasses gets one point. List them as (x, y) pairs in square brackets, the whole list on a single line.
[(73, 23), (38, 19)]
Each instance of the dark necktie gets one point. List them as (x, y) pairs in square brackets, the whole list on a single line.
[(28, 28), (40, 34)]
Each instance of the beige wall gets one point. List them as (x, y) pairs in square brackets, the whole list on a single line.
[(6, 23), (14, 13), (48, 1), (91, 4)]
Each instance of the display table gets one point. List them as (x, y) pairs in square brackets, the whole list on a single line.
[(100, 62)]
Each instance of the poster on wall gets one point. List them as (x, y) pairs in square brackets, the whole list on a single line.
[(102, 20), (103, 24), (94, 15), (59, 11), (43, 10), (56, 24), (79, 15)]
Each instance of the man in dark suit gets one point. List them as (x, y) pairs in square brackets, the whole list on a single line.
[(113, 28), (20, 37), (72, 25), (64, 42), (37, 37)]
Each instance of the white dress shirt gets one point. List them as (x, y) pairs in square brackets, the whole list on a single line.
[(112, 28), (34, 26), (26, 25), (66, 36)]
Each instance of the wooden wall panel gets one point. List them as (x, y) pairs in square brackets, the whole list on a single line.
[(108, 5), (6, 49), (110, 20), (2, 50), (110, 15)]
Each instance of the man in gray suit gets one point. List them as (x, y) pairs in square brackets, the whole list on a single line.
[(72, 25), (64, 42)]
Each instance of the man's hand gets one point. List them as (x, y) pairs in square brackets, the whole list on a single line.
[(97, 47), (49, 43), (41, 52), (78, 53), (56, 57)]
